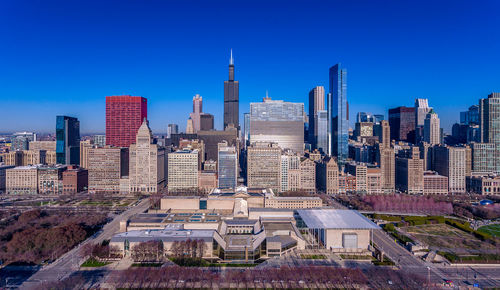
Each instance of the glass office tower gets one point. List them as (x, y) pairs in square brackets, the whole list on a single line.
[(338, 113), (227, 167), (67, 140)]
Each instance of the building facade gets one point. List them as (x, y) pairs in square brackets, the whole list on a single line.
[(338, 114), (227, 164), (278, 121), (183, 170), (147, 163), (231, 98), (432, 128), (124, 116), (263, 166), (316, 103), (67, 140), (107, 166)]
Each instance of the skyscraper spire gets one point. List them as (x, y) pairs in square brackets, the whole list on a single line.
[(231, 60)]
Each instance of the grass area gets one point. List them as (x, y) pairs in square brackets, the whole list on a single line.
[(493, 230), (96, 203), (386, 262), (93, 263), (444, 237), (147, 264), (356, 257), (479, 259), (312, 256)]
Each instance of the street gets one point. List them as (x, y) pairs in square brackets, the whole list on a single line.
[(71, 261)]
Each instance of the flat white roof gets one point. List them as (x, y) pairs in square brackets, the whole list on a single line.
[(335, 219)]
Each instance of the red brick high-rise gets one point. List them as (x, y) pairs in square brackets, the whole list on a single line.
[(124, 116)]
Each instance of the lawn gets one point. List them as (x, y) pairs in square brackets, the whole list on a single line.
[(312, 257), (493, 230), (444, 237), (93, 263)]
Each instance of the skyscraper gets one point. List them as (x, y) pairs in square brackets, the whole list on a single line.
[(338, 113), (432, 129), (321, 124), (227, 164), (278, 121), (200, 121), (386, 159), (231, 98), (421, 110), (246, 129), (489, 110), (124, 116), (147, 163), (67, 140), (172, 129), (402, 123), (316, 103)]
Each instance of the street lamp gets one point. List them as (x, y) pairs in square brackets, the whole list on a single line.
[(428, 277)]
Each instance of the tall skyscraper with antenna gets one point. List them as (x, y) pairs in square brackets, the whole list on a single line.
[(231, 98)]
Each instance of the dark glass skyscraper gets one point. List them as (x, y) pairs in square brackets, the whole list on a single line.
[(338, 114), (67, 140), (231, 98)]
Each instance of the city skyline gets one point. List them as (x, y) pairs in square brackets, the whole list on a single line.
[(88, 64)]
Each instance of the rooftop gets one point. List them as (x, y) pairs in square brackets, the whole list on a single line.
[(335, 219), (169, 234)]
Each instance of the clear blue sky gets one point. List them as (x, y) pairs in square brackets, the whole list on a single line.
[(64, 57)]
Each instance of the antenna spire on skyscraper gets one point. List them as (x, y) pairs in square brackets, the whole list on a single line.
[(231, 60)]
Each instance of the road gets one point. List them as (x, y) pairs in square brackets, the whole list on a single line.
[(485, 276), (70, 262)]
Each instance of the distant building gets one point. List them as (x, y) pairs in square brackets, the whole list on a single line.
[(263, 166), (316, 104), (68, 140), (212, 138), (231, 98), (3, 169), (321, 124), (338, 114), (451, 162), (99, 140), (278, 121), (21, 140), (197, 119), (328, 176), (107, 166), (50, 179), (207, 180), (435, 184), (246, 129), (402, 124), (227, 166), (410, 171), (182, 170), (483, 184), (124, 116), (43, 145), (432, 133), (421, 110), (147, 163), (289, 161), (22, 180), (386, 159), (172, 129), (75, 180), (84, 148), (471, 116), (489, 110), (482, 161)]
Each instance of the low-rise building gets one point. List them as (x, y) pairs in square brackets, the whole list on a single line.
[(50, 179), (22, 180), (435, 183), (75, 180), (484, 184), (3, 169)]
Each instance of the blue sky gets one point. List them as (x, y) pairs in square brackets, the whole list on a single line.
[(64, 57)]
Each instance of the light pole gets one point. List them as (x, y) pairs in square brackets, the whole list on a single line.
[(428, 277)]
